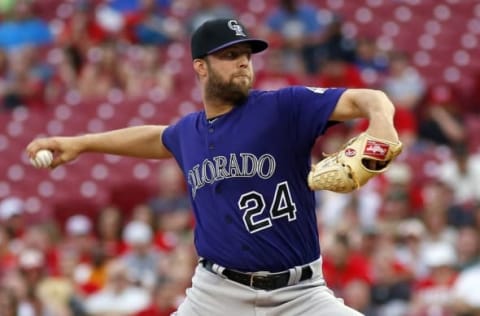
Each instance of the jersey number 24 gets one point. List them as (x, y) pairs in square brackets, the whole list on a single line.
[(254, 204)]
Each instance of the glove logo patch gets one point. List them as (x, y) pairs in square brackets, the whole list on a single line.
[(376, 149), (350, 152)]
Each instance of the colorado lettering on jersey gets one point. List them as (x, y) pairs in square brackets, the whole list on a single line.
[(223, 167)]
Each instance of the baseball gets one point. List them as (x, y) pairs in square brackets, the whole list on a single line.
[(43, 158)]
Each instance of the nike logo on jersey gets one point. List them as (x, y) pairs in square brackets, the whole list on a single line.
[(234, 166)]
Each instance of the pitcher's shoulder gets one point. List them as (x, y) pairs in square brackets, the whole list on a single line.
[(189, 118), (273, 94)]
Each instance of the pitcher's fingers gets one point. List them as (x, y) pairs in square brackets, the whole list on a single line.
[(57, 161), (40, 143), (60, 158)]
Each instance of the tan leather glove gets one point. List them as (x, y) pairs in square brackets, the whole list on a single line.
[(359, 160)]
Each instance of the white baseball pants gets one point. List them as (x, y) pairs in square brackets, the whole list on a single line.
[(214, 295)]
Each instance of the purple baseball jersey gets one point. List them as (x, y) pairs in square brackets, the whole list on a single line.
[(247, 176)]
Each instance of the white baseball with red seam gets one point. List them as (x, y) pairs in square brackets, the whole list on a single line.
[(43, 158)]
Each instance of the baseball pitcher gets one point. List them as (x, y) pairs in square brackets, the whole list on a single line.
[(246, 159)]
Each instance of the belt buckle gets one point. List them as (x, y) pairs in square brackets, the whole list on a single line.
[(261, 274)]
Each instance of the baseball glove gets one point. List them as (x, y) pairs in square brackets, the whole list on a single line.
[(359, 160)]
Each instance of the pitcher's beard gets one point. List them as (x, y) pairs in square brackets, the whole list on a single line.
[(229, 92)]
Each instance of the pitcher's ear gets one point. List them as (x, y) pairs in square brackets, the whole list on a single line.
[(200, 67)]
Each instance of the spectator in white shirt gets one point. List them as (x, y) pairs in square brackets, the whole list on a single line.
[(119, 297)]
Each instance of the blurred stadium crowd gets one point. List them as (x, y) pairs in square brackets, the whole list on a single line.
[(113, 236)]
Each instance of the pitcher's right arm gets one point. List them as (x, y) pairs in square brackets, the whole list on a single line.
[(138, 141)]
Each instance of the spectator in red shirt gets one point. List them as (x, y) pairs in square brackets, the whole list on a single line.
[(341, 265), (275, 73), (336, 72), (38, 237), (81, 30)]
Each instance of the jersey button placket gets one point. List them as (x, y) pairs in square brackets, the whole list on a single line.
[(211, 129)]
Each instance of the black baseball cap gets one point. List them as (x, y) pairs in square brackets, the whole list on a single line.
[(218, 34)]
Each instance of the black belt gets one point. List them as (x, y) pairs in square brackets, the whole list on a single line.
[(262, 282)]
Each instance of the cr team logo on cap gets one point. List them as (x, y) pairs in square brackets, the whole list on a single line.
[(217, 34), (234, 26)]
